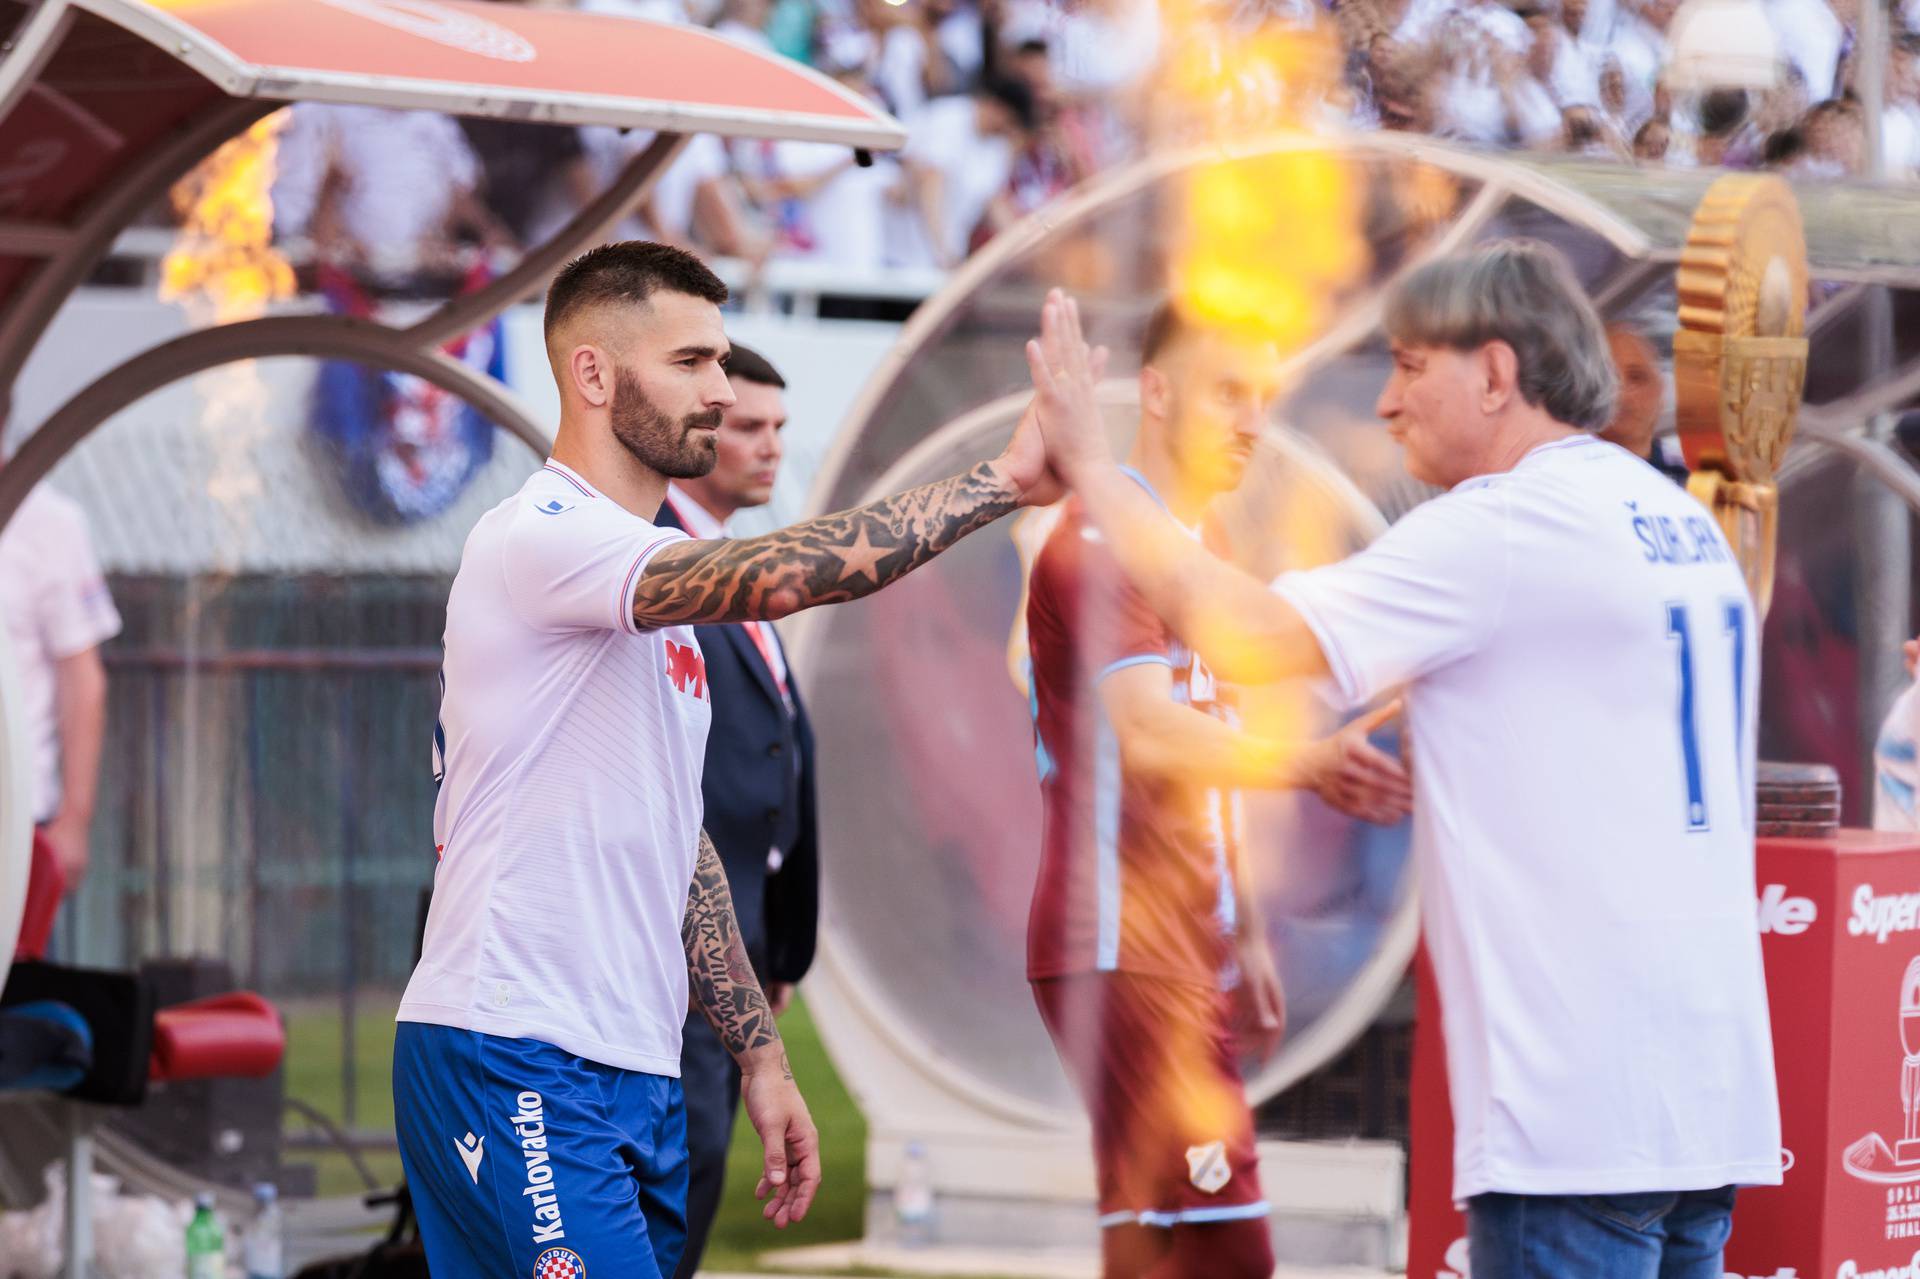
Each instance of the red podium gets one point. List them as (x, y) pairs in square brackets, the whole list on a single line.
[(1840, 931)]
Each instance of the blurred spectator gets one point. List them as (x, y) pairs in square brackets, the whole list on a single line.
[(1896, 761), (57, 613), (958, 157), (1643, 392), (1722, 129), (908, 64), (1403, 98), (792, 28), (655, 10), (533, 177), (1784, 150), (697, 203), (1835, 139), (1811, 38), (386, 195), (1586, 132), (825, 206), (1650, 143), (1061, 149), (1900, 122), (1578, 77), (745, 21)]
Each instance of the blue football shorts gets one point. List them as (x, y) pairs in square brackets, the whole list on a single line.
[(526, 1162)]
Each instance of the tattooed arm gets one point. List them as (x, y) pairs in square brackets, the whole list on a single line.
[(727, 992), (841, 556)]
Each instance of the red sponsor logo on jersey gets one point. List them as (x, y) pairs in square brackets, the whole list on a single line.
[(687, 669)]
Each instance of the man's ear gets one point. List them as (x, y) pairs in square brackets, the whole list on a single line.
[(1499, 377), (591, 373), (1156, 393)]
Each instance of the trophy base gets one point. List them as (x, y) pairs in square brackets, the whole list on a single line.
[(1907, 1153)]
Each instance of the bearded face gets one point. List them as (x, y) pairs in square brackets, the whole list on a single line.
[(682, 449)]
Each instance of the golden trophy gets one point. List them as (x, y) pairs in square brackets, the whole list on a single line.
[(1740, 358), (1739, 366)]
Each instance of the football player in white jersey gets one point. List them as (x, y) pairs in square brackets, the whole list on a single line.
[(1578, 650), (536, 1063)]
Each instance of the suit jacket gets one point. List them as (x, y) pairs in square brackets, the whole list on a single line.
[(759, 794)]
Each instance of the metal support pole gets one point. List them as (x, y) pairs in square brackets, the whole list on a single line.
[(79, 1242), (1870, 80), (1883, 586)]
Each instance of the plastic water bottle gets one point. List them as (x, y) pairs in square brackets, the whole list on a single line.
[(913, 1197), (206, 1242), (263, 1248)]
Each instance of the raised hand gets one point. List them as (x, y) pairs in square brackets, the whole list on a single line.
[(1066, 372), (1024, 462)]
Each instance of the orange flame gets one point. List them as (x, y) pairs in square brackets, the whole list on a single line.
[(223, 268), (223, 264), (1269, 243)]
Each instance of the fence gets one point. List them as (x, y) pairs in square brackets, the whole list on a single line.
[(271, 806)]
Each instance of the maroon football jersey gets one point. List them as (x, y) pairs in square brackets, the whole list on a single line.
[(1134, 872)]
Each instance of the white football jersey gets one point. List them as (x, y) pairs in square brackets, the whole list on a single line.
[(570, 747), (1579, 654)]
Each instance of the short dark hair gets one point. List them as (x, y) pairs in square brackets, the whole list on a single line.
[(1722, 111), (747, 365), (1784, 147), (628, 272), (1015, 95), (1164, 327)]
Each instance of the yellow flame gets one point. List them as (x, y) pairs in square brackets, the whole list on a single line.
[(223, 268), (223, 263), (1268, 244)]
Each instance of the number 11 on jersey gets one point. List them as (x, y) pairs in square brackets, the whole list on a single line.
[(1679, 627)]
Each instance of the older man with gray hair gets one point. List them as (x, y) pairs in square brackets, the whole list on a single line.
[(1577, 649)]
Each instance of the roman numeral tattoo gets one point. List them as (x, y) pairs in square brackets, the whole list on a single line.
[(723, 983), (821, 561)]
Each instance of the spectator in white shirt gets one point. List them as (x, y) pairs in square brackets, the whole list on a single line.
[(909, 65), (1810, 38), (1900, 121), (1572, 71), (1638, 41), (958, 157), (57, 612), (384, 193), (1896, 762)]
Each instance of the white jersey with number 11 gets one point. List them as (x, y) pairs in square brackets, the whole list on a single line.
[(1579, 652)]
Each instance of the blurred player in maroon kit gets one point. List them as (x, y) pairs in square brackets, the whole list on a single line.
[(1141, 941)]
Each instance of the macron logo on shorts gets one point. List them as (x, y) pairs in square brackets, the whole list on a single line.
[(472, 1151), (530, 1125)]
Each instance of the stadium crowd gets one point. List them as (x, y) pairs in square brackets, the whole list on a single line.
[(1010, 102)]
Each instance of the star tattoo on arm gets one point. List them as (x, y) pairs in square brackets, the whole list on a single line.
[(828, 560)]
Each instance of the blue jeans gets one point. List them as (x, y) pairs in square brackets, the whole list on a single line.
[(1658, 1235)]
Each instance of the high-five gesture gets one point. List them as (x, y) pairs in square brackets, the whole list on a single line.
[(1066, 372)]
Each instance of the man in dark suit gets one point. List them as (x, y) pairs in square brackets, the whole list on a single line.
[(758, 784)]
